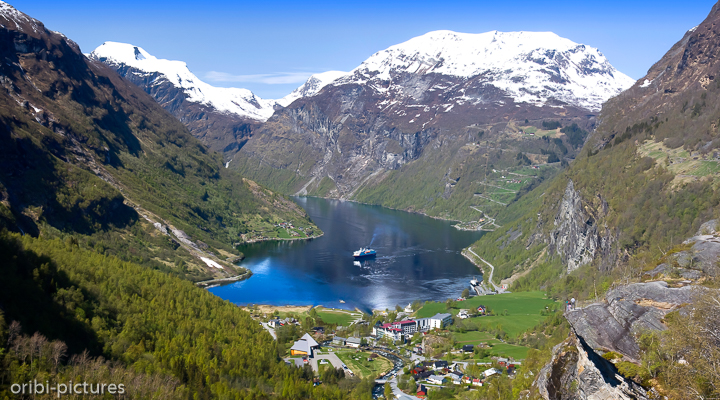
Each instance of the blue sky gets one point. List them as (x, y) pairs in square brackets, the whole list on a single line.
[(270, 47)]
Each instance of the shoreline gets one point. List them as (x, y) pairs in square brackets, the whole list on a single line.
[(288, 239), (219, 281), (407, 211)]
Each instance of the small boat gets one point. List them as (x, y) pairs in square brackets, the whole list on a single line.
[(363, 252), (342, 301)]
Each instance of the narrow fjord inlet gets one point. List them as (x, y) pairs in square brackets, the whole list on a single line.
[(417, 258)]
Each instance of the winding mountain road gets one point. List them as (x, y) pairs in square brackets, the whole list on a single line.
[(492, 270)]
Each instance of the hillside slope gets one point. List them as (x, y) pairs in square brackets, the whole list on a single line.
[(646, 179), (86, 153), (222, 118), (422, 125), (639, 204)]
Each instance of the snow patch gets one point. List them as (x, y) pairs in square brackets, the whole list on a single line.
[(237, 101), (211, 263), (646, 83), (312, 86)]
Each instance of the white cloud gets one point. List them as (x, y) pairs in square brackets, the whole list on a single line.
[(278, 78)]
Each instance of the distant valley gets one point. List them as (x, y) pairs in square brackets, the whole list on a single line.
[(440, 133)]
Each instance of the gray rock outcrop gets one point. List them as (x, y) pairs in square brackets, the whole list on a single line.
[(576, 237), (705, 250), (613, 324), (577, 372)]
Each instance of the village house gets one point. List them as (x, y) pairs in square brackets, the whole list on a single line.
[(422, 375), (435, 379), (340, 341), (304, 346), (422, 391), (353, 342), (456, 377), (468, 348)]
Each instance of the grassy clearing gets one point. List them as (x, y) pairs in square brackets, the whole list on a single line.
[(705, 168), (511, 324), (338, 317), (540, 132), (521, 303), (500, 348), (358, 363), (680, 161), (473, 337), (515, 312)]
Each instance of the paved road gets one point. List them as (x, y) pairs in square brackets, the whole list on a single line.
[(492, 270), (269, 329), (397, 392), (332, 357)]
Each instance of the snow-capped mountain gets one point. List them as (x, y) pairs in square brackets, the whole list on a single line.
[(223, 118), (241, 102), (312, 86), (531, 67), (420, 108)]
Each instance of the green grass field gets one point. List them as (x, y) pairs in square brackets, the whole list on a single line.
[(521, 303), (706, 168), (473, 337), (523, 310), (498, 347), (358, 364), (336, 317)]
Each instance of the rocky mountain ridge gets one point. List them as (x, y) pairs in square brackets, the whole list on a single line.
[(86, 153), (222, 118)]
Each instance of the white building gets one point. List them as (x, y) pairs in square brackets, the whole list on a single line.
[(353, 342), (440, 320), (490, 372), (423, 324)]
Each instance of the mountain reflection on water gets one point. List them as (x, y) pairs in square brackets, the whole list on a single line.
[(418, 258)]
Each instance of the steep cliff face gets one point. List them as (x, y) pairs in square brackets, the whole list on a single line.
[(576, 236), (577, 372)]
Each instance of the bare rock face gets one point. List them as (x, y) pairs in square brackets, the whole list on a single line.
[(577, 372), (627, 311), (576, 237), (705, 251)]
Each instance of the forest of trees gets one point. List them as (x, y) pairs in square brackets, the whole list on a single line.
[(72, 313)]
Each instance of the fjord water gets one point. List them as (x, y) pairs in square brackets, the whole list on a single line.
[(418, 258)]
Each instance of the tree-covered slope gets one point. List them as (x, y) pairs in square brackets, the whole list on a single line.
[(84, 152), (73, 314)]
